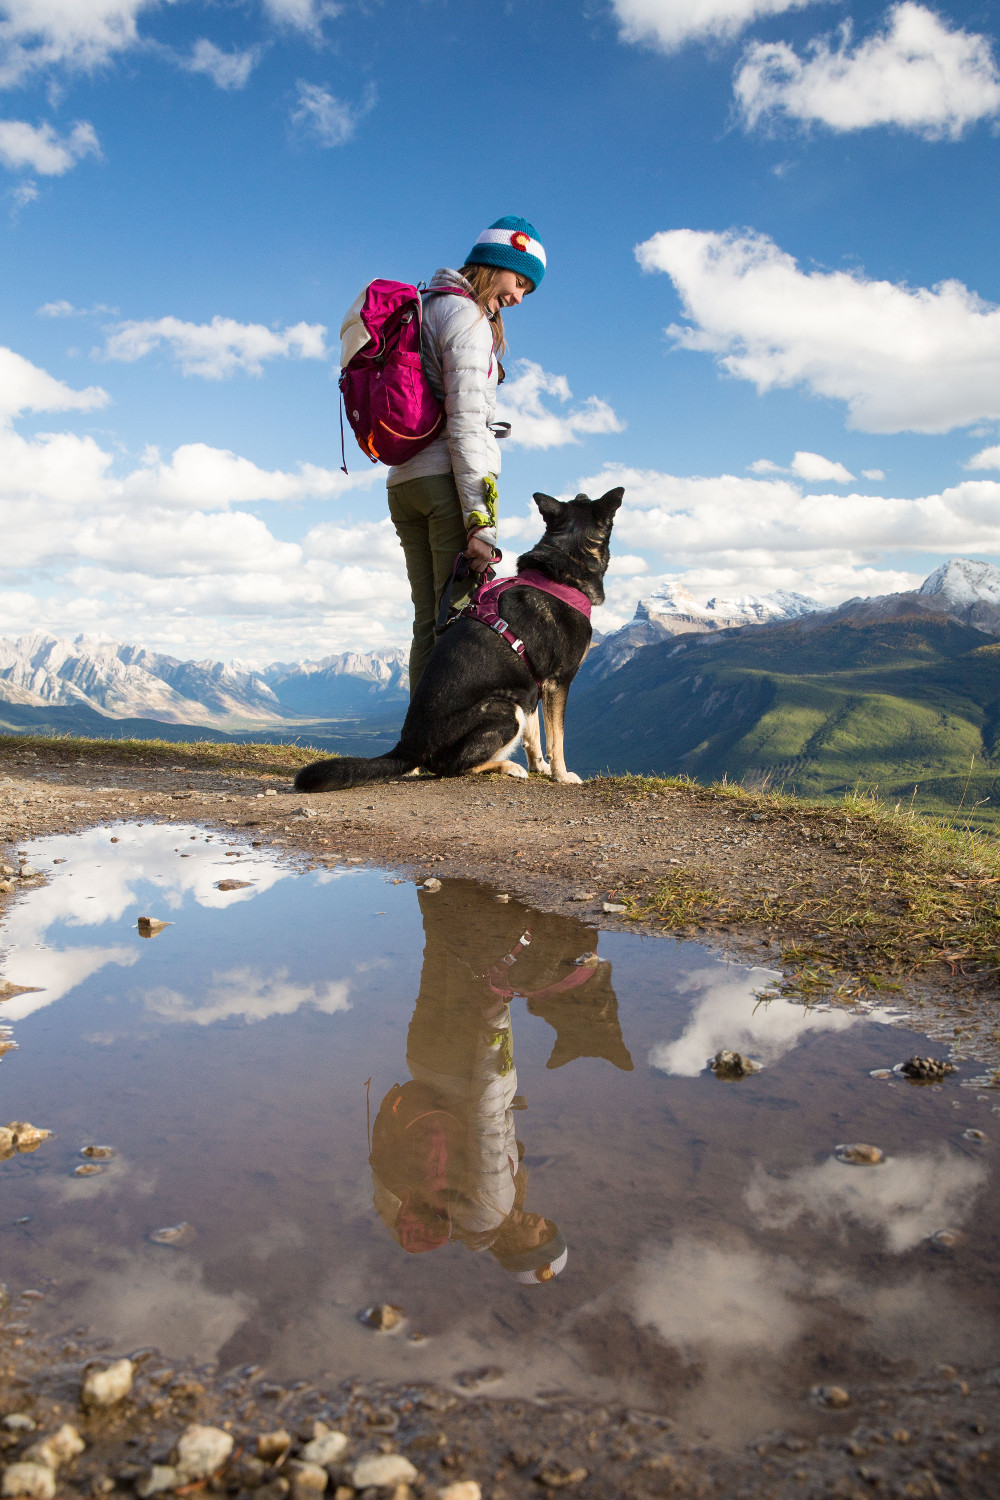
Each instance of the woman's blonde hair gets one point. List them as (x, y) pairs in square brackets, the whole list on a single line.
[(483, 280)]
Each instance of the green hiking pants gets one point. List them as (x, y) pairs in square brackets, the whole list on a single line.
[(428, 520)]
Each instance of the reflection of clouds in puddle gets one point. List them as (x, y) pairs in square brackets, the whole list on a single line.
[(906, 1199), (54, 973), (253, 996), (113, 1176), (160, 1298), (727, 1013), (278, 1238)]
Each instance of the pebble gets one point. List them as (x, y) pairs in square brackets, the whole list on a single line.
[(860, 1155), (382, 1315), (19, 1421), (97, 1153), (433, 884), (271, 1445), (833, 1396), (555, 1477), (232, 885), (973, 1135), (464, 1489), (503, 898), (726, 1064), (325, 1448), (201, 1451), (26, 1137), (880, 1073), (57, 1449), (177, 1235), (613, 909), (382, 1469), (87, 1169), (946, 1239), (105, 1387), (27, 872), (151, 926), (160, 1479), (36, 1481), (307, 1479), (924, 1069), (5, 887), (582, 896)]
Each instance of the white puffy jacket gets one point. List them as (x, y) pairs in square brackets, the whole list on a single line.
[(462, 369)]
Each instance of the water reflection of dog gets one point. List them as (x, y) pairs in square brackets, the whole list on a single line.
[(446, 1162)]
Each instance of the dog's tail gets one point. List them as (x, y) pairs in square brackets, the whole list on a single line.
[(352, 770)]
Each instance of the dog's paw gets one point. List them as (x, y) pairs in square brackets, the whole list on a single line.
[(512, 768), (569, 778), (541, 769)]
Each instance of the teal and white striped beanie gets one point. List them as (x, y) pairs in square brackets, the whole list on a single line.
[(512, 244)]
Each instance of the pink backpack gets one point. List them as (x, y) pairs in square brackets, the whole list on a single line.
[(390, 406)]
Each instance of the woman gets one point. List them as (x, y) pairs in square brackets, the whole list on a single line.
[(443, 501)]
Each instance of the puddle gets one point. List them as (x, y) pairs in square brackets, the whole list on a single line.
[(670, 1238)]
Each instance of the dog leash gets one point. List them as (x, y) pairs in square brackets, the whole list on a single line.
[(459, 573)]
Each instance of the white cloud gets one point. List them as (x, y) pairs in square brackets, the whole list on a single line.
[(533, 424), (217, 349), (25, 387), (228, 70), (872, 473), (986, 458), (815, 469), (668, 24), (303, 15), (80, 34), (902, 358), (254, 997), (60, 309), (38, 148), (916, 73), (325, 119)]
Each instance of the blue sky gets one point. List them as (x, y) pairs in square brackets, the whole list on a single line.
[(192, 193)]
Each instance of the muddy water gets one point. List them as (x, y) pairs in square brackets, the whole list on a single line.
[(560, 1195)]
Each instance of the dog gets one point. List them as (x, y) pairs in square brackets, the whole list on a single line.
[(477, 697)]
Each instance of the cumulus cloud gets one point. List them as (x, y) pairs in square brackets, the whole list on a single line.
[(534, 425), (323, 118), (217, 349), (78, 34), (872, 474), (669, 24), (916, 73), (815, 469), (227, 70), (252, 996), (901, 358), (25, 387), (986, 458), (303, 15), (39, 148)]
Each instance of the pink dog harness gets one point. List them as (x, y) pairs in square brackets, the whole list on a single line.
[(484, 606)]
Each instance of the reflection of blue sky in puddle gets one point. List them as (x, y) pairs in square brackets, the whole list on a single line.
[(727, 1013)]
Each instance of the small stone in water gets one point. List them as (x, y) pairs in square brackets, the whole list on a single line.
[(271, 1445), (105, 1387), (946, 1239), (880, 1073), (97, 1153), (232, 885), (833, 1396), (973, 1135), (26, 1137), (382, 1315), (27, 872), (151, 926), (382, 1469), (859, 1156), (432, 884), (87, 1169), (327, 1448), (201, 1451), (174, 1234), (726, 1064), (503, 898)]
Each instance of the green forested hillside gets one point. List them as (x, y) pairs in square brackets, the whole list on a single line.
[(816, 707)]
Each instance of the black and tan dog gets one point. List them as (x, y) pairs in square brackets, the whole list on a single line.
[(477, 696)]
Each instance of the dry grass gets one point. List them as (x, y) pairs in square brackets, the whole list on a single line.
[(914, 893), (250, 759)]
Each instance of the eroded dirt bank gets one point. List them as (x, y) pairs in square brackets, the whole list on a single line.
[(747, 874)]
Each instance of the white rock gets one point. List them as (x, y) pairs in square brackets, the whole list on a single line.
[(35, 1480), (464, 1489), (160, 1479), (19, 1421), (382, 1469), (613, 909), (432, 885), (328, 1448), (307, 1480), (27, 872), (201, 1451), (57, 1449), (105, 1387)]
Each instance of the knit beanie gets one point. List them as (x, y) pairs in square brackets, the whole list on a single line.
[(540, 1264), (512, 244)]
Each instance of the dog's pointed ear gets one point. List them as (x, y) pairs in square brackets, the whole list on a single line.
[(610, 502), (548, 505)]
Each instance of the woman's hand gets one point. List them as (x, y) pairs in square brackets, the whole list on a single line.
[(479, 554)]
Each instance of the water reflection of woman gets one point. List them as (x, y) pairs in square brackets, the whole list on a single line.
[(446, 1162)]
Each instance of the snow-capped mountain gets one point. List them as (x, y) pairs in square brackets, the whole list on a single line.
[(962, 589), (673, 610), (127, 681)]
